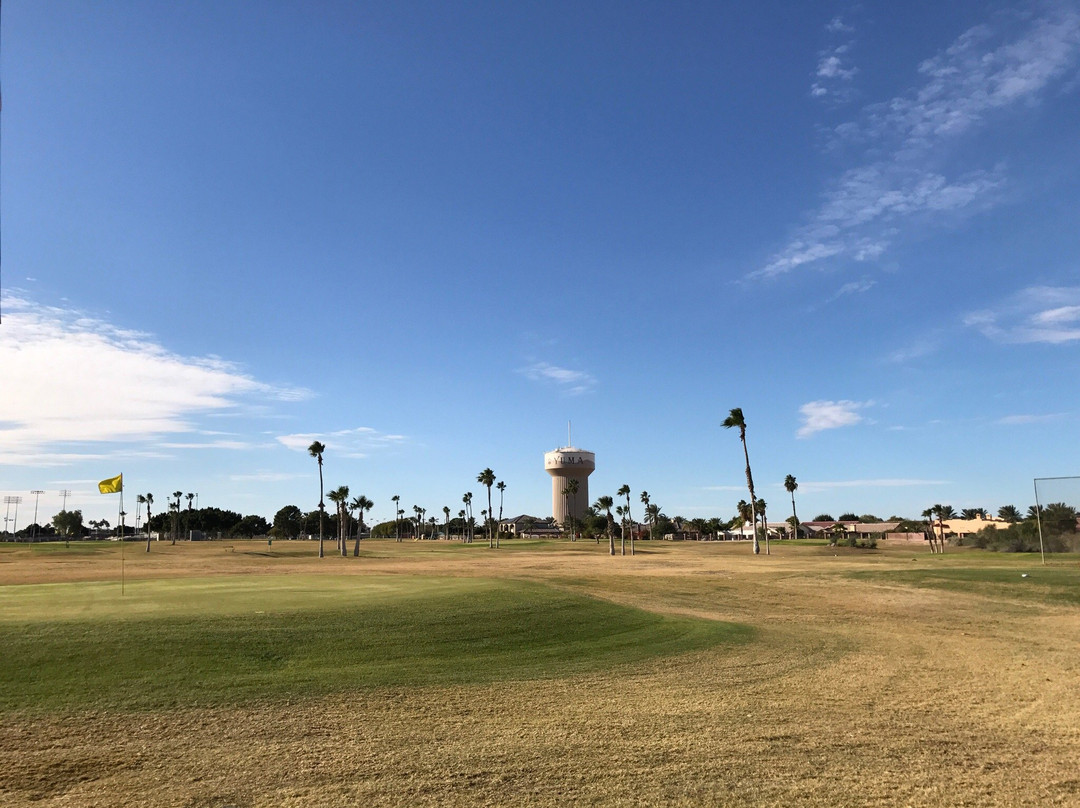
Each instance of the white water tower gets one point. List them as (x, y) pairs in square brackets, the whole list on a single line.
[(564, 465)]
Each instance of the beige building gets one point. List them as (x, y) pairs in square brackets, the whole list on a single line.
[(967, 527)]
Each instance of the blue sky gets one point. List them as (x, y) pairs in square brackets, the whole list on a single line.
[(430, 234)]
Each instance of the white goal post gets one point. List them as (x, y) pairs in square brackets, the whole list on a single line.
[(1065, 490)]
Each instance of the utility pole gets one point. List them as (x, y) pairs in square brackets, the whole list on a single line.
[(36, 494)]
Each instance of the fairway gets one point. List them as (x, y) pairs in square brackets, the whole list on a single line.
[(221, 641), (545, 673)]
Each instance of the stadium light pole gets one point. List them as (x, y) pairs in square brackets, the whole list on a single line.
[(65, 493), (9, 501), (33, 532)]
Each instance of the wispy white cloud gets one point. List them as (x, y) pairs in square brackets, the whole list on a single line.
[(266, 477), (1049, 314), (916, 349), (73, 383), (853, 288), (723, 488), (236, 445), (570, 382), (821, 415), (834, 71), (837, 26), (358, 442), (815, 486), (1013, 420), (901, 182)]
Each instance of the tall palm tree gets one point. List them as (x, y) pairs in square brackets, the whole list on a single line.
[(189, 498), (625, 492), (416, 519), (498, 525), (604, 503), (745, 512), (943, 512), (397, 525), (149, 501), (446, 513), (176, 516), (791, 487), (735, 419), (760, 505), (645, 502), (461, 516), (361, 504), (1010, 513), (573, 485), (928, 516), (340, 497), (652, 513), (467, 499), (316, 450), (486, 478)]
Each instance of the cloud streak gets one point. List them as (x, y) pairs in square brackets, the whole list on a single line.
[(570, 382), (900, 182), (1046, 314), (1014, 420), (73, 383), (834, 72), (355, 443), (829, 485)]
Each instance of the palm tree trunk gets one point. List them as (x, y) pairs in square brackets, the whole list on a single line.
[(322, 509), (343, 525), (750, 485), (794, 518), (491, 541)]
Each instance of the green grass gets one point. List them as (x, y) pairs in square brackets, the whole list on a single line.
[(206, 642), (1049, 584)]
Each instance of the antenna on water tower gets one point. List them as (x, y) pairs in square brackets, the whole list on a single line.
[(569, 440)]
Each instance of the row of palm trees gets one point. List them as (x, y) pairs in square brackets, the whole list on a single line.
[(174, 509), (340, 497), (605, 504), (487, 478)]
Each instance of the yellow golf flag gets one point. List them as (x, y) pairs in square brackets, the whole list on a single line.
[(113, 485)]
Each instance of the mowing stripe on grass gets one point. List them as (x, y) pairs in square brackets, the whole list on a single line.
[(204, 642)]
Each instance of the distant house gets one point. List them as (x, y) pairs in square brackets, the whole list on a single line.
[(683, 535), (861, 530), (826, 528), (525, 525)]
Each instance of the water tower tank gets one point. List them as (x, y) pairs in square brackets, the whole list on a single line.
[(564, 465)]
